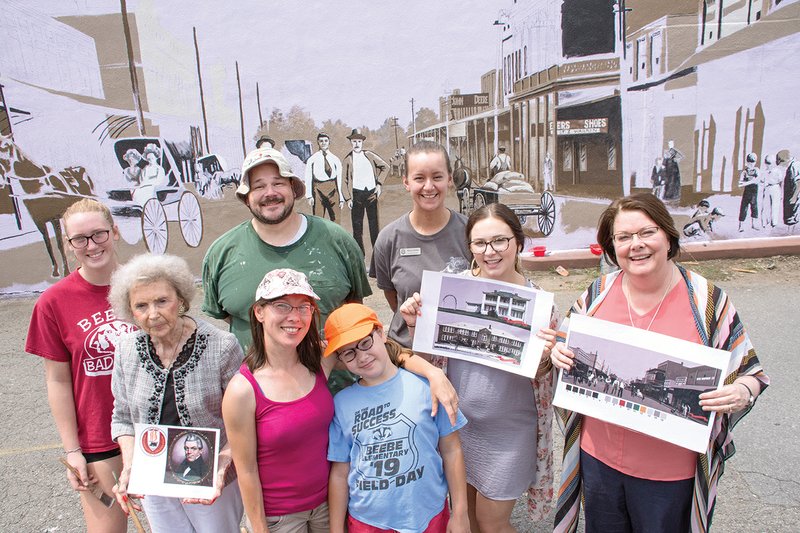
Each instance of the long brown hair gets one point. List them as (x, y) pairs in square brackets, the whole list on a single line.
[(647, 204), (309, 351), (395, 350)]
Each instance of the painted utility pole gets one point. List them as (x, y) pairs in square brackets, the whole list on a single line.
[(395, 126), (200, 83), (137, 100), (414, 119), (241, 109), (258, 101)]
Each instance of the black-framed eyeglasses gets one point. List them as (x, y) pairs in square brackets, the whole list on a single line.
[(283, 309), (498, 244), (82, 241), (625, 237), (363, 345)]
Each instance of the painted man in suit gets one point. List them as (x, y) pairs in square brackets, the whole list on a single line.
[(361, 184), (323, 180)]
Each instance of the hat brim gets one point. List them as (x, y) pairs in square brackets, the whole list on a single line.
[(298, 187), (351, 335), (359, 137)]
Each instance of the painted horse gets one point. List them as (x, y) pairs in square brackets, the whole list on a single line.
[(45, 193)]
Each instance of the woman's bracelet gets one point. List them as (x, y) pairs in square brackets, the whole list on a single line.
[(78, 449), (746, 386), (411, 327)]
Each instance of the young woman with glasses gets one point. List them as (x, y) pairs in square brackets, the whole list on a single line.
[(73, 328), (508, 440), (277, 410)]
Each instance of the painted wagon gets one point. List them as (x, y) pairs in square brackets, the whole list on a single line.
[(157, 194), (511, 189)]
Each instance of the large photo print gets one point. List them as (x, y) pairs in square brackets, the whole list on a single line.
[(644, 381), (492, 323)]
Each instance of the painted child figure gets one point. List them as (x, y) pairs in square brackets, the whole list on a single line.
[(392, 463)]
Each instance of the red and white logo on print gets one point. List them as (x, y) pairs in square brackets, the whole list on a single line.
[(153, 441)]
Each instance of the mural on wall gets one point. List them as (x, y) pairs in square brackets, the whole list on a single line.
[(552, 107)]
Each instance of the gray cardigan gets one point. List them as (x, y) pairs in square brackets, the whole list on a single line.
[(138, 382)]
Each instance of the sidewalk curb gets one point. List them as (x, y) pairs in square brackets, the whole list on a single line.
[(692, 251)]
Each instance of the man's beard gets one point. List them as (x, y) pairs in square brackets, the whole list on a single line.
[(283, 215)]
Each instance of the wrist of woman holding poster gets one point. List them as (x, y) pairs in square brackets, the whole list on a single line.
[(410, 310)]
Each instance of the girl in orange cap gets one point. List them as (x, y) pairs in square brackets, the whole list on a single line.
[(388, 454)]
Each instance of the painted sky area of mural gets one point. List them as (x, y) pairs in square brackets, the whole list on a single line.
[(553, 107)]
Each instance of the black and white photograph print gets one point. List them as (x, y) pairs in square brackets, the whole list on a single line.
[(492, 323), (183, 466), (644, 381), (191, 457)]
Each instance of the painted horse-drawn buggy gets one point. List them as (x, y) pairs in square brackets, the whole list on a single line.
[(156, 193), (507, 187)]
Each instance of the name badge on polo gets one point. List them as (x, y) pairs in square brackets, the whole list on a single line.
[(406, 252)]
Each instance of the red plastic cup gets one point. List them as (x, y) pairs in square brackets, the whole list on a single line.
[(539, 251), (596, 249)]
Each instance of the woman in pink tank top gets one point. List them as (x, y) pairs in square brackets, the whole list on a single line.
[(278, 408)]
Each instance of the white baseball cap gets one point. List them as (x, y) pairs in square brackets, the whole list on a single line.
[(282, 282), (259, 156)]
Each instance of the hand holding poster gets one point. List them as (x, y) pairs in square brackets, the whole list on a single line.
[(174, 461), (644, 381), (488, 322)]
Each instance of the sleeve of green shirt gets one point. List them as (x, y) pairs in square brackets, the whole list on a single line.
[(211, 305), (356, 269)]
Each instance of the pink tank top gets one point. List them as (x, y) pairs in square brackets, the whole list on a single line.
[(293, 448), (627, 451)]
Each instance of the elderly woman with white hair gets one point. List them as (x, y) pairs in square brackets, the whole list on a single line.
[(173, 371)]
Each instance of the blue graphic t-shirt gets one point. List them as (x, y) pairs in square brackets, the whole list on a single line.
[(388, 436)]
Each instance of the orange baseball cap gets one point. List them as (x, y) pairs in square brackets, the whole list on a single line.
[(349, 323)]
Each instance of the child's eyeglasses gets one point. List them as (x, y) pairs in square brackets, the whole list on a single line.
[(363, 345)]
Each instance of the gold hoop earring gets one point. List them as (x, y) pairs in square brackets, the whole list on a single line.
[(474, 268)]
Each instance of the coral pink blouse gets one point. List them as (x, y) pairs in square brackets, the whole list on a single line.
[(625, 450)]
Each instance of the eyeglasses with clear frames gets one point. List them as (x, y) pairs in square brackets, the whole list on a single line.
[(283, 309), (498, 244), (82, 241), (624, 237), (363, 345)]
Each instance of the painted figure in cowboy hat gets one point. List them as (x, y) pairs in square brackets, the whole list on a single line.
[(362, 173)]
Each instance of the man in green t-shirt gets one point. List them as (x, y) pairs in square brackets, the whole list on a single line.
[(278, 237)]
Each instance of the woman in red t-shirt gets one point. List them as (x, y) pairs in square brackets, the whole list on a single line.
[(73, 328)]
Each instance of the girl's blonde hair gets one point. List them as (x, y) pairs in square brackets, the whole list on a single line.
[(88, 205)]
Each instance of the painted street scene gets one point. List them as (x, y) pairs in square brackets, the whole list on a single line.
[(553, 108)]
